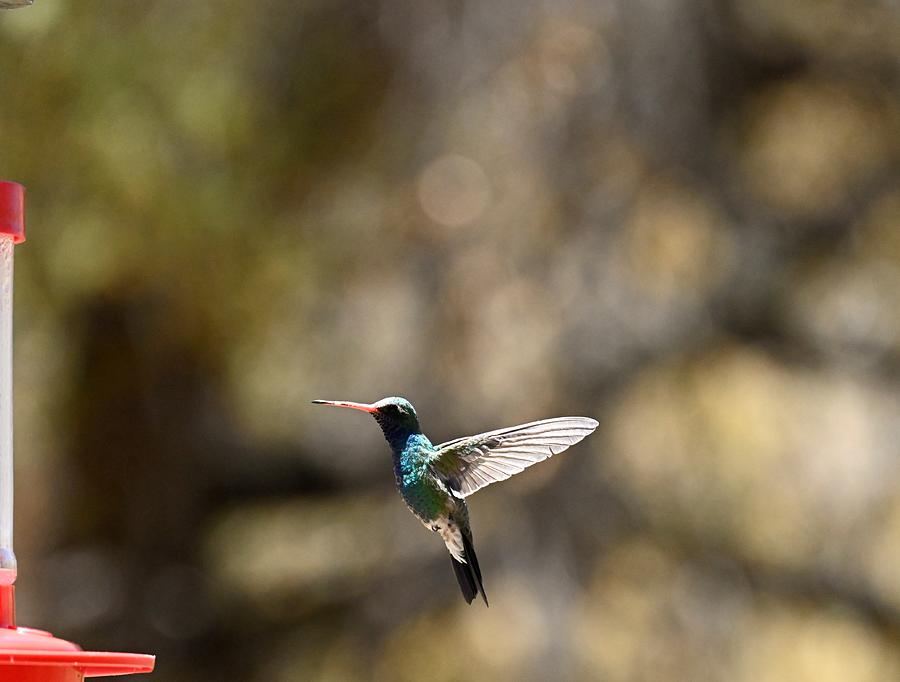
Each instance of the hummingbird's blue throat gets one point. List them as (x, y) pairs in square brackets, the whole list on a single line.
[(397, 434)]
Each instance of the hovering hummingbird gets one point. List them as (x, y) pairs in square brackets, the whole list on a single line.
[(434, 480)]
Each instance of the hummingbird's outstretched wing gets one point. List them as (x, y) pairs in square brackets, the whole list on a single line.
[(471, 463)]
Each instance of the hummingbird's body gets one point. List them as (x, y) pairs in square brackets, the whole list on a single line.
[(425, 495), (434, 480)]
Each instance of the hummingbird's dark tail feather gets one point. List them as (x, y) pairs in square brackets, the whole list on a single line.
[(468, 575), (465, 579), (473, 562)]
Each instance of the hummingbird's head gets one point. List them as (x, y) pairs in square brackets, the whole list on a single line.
[(392, 414)]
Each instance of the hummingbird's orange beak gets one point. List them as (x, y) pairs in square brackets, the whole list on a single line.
[(364, 407)]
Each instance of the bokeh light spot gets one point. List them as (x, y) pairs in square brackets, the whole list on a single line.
[(454, 190)]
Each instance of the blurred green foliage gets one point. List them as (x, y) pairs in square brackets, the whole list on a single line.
[(680, 218)]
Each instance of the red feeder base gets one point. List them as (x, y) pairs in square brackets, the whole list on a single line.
[(28, 655)]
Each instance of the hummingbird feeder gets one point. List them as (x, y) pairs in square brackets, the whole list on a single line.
[(26, 654)]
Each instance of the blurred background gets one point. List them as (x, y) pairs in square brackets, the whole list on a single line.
[(681, 218)]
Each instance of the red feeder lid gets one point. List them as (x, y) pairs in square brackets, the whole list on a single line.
[(12, 210), (28, 655)]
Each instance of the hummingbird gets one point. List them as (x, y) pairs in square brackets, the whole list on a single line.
[(435, 480)]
